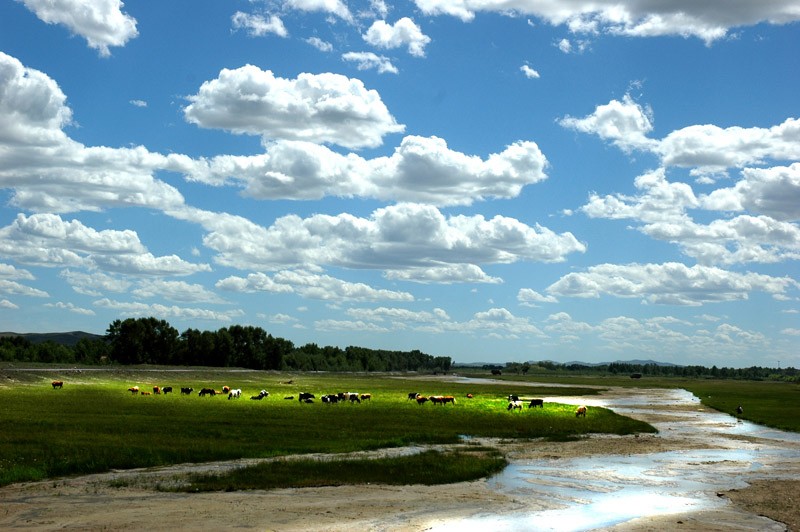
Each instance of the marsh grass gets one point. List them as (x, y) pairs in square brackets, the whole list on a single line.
[(427, 468), (767, 403), (93, 424)]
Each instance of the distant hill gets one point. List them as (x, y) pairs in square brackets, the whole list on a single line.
[(63, 338)]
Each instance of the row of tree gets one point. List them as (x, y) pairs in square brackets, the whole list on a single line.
[(652, 369), (152, 341)]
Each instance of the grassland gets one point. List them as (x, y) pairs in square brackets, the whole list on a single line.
[(93, 424), (769, 403)]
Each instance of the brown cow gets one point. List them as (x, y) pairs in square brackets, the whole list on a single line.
[(57, 384), (134, 390), (581, 411), (145, 393), (422, 399), (156, 390)]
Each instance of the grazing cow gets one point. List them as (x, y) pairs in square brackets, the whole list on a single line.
[(226, 389), (186, 391), (134, 390), (289, 397), (413, 395), (354, 398), (207, 391), (156, 390), (366, 397), (536, 402), (515, 404), (437, 399), (262, 394), (512, 398), (304, 396), (448, 399), (57, 384), (581, 411), (145, 393), (166, 390), (235, 394), (330, 399), (421, 399), (469, 396)]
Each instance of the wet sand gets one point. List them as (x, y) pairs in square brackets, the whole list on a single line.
[(761, 470)]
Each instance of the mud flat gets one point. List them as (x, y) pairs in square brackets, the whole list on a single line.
[(704, 471)]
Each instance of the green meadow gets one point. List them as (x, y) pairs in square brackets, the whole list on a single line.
[(766, 402), (94, 424)]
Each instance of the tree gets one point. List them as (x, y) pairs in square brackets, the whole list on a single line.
[(142, 341)]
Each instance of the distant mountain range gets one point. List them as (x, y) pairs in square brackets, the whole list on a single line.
[(63, 338)]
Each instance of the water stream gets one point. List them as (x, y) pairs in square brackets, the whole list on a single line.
[(591, 493)]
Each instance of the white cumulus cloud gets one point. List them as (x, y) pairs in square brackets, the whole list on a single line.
[(101, 22), (324, 108)]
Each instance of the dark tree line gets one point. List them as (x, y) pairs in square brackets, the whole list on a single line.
[(153, 341), (624, 368)]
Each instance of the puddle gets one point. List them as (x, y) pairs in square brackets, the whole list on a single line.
[(590, 493)]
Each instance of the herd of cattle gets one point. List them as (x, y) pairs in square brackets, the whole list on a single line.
[(514, 401)]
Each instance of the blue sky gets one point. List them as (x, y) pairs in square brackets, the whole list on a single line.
[(490, 181)]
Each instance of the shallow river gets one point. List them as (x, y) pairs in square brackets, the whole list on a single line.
[(587, 494)]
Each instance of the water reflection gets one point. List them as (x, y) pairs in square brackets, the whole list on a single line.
[(590, 493)]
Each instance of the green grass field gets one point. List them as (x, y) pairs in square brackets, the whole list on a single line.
[(93, 424), (770, 403)]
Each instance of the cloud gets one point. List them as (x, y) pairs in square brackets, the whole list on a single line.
[(774, 192), (624, 123), (421, 170), (5, 303), (138, 103), (258, 25), (71, 307), (708, 21), (397, 237), (319, 44), (495, 321), (50, 172), (17, 289), (334, 7), (446, 274), (713, 149), (101, 22), (404, 32), (47, 240), (669, 283), (167, 312), (323, 108), (663, 207), (368, 60), (529, 298), (178, 291), (95, 284), (708, 149), (529, 72), (311, 286), (8, 271), (791, 332)]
